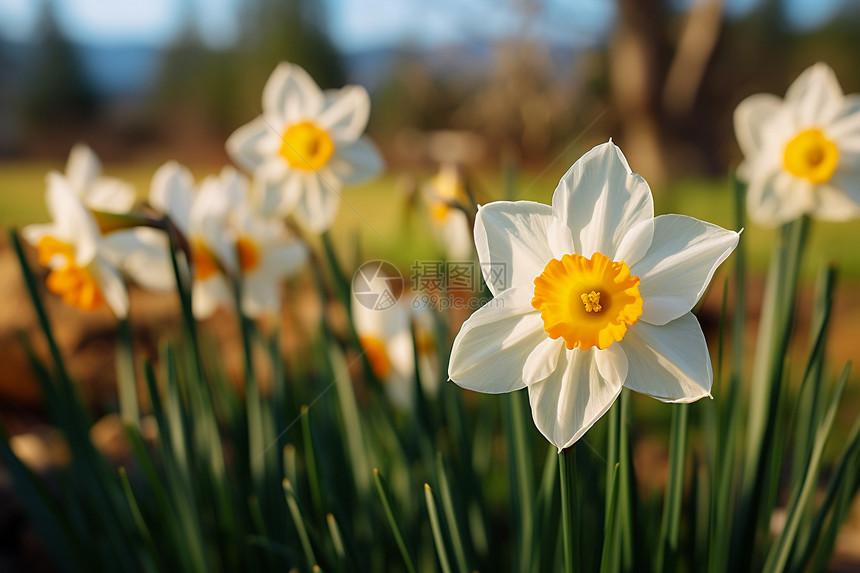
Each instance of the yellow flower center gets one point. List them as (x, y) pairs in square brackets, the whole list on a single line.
[(249, 254), (447, 186), (439, 212), (587, 302), (306, 146), (377, 355), (76, 285), (203, 260), (810, 155), (591, 301), (48, 247)]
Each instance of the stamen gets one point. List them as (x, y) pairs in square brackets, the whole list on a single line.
[(591, 301)]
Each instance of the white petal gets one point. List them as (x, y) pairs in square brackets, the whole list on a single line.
[(572, 399), (678, 267), (172, 193), (260, 296), (778, 197), (543, 360), (753, 117), (216, 201), (112, 286), (143, 254), (601, 200), (34, 233), (381, 323), (82, 168), (73, 223), (401, 352), (612, 364), (290, 95), (346, 112), (455, 234), (512, 243), (669, 362), (284, 259), (838, 200), (845, 128), (318, 205), (356, 161), (493, 345), (815, 96), (110, 195), (276, 188), (208, 295), (636, 243), (244, 144)]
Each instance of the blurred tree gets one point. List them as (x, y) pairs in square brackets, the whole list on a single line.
[(292, 30), (57, 88), (655, 75), (205, 93)]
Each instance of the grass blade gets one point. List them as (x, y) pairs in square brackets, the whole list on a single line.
[(437, 529), (451, 516), (778, 556), (299, 523), (667, 549), (392, 521)]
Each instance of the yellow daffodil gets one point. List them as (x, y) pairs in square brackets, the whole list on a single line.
[(305, 146), (594, 294), (801, 154), (72, 247)]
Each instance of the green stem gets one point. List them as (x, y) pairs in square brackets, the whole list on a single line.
[(775, 324), (567, 470), (522, 471), (125, 376)]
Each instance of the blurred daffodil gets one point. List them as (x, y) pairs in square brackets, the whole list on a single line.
[(265, 255), (385, 335), (84, 174), (226, 238), (74, 249), (595, 294), (445, 195), (801, 154), (305, 146)]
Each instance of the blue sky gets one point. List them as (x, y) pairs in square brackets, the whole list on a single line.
[(353, 24)]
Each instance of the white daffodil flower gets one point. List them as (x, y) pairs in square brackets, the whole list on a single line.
[(265, 254), (450, 224), (225, 236), (72, 247), (305, 146), (595, 295), (801, 154), (84, 174), (385, 335)]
